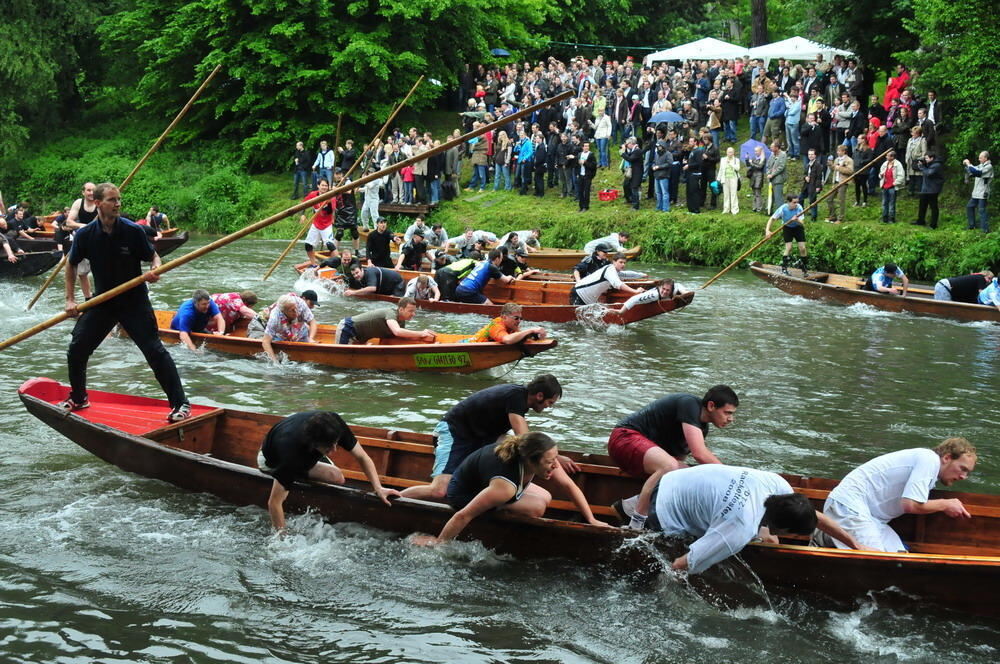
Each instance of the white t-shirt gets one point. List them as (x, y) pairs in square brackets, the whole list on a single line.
[(413, 289), (594, 285), (876, 487), (720, 505), (650, 295), (611, 241)]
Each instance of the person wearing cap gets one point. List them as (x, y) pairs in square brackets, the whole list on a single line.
[(297, 449), (384, 323), (592, 287), (515, 264), (291, 319), (592, 263), (411, 255), (613, 243), (881, 280), (506, 328), (378, 246)]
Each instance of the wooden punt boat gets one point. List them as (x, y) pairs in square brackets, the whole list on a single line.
[(450, 354), (163, 246), (847, 290), (547, 302), (29, 264), (953, 563)]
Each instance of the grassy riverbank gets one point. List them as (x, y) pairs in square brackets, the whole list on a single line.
[(204, 187)]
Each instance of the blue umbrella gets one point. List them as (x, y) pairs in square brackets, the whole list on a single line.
[(666, 116), (499, 52), (746, 150)]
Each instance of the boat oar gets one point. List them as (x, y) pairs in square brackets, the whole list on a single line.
[(264, 223), (128, 178), (378, 136), (795, 218)]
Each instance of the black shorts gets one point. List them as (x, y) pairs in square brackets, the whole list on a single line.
[(793, 233), (340, 232)]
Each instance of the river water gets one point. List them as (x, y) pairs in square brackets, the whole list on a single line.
[(97, 565)]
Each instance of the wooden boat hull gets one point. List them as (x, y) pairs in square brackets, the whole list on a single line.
[(215, 452), (163, 246), (554, 281), (29, 265), (844, 289), (567, 259), (450, 355), (50, 231), (610, 314)]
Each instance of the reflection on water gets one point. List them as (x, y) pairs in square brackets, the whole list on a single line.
[(100, 565)]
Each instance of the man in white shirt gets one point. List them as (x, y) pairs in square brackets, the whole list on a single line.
[(727, 507), (590, 289), (888, 486), (616, 242)]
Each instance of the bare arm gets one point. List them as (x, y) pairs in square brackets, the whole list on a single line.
[(833, 529), (401, 332), (70, 289), (512, 338), (518, 424), (220, 324), (313, 327), (906, 284), (368, 467), (497, 493), (560, 477), (268, 348), (186, 339), (275, 505), (953, 507), (696, 443), (360, 291)]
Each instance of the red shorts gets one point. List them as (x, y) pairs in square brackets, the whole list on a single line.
[(628, 447)]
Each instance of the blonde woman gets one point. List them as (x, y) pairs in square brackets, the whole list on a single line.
[(501, 160), (729, 176)]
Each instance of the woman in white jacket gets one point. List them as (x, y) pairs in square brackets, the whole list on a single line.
[(729, 176), (602, 134)]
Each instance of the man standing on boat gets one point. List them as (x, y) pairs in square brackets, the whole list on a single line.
[(116, 248), (296, 449), (792, 230), (888, 486), (726, 508), (385, 323), (658, 438), (82, 212)]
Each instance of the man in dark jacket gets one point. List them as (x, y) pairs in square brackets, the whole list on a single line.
[(541, 165), (930, 167), (813, 181), (302, 159), (586, 170), (633, 157)]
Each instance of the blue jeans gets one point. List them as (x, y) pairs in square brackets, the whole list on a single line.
[(603, 159), (757, 126), (715, 137), (970, 212), (301, 175), (325, 174), (662, 194), (501, 173), (483, 176), (407, 192), (731, 130), (889, 205), (524, 174), (792, 136), (435, 190)]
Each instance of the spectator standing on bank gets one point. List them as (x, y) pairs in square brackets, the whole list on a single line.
[(983, 178)]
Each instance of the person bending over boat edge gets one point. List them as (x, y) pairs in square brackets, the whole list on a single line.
[(479, 420), (965, 288), (291, 319), (499, 478), (296, 448), (657, 439), (727, 507), (990, 296), (663, 289), (880, 281), (384, 323), (506, 328), (897, 483), (198, 314), (591, 288)]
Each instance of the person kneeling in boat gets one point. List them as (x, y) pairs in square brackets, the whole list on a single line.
[(498, 478), (199, 314), (374, 281), (470, 289), (881, 280), (657, 439), (422, 288), (515, 264), (792, 230), (291, 319), (897, 483), (965, 288), (506, 328), (592, 263), (663, 289), (990, 296), (727, 507), (297, 448), (382, 324), (592, 288), (450, 275)]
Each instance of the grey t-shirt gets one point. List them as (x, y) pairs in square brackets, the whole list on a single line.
[(374, 324)]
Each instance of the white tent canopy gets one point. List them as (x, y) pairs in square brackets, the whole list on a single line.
[(708, 48), (797, 48)]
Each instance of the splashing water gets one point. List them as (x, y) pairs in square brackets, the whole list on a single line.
[(592, 315)]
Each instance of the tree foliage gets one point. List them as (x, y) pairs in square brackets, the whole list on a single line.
[(874, 30), (292, 65), (957, 57)]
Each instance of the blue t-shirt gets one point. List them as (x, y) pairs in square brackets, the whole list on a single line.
[(785, 213), (479, 277), (188, 319), (880, 278), (991, 294)]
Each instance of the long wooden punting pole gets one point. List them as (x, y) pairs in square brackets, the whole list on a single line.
[(378, 137), (264, 223), (128, 178), (798, 216)]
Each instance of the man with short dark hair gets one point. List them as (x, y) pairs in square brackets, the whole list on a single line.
[(197, 315), (881, 280), (792, 230), (296, 449), (470, 289), (384, 323), (378, 246), (116, 248), (411, 254), (374, 281), (590, 289)]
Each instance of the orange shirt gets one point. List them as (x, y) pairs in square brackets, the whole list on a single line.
[(494, 331)]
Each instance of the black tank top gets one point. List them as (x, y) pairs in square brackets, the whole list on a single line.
[(85, 217)]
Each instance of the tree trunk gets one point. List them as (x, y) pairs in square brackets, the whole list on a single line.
[(758, 22)]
